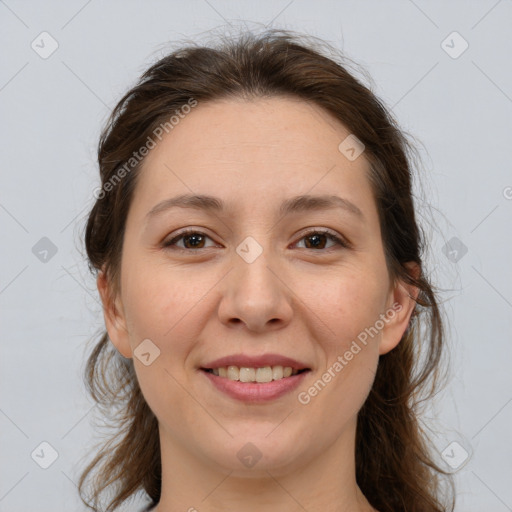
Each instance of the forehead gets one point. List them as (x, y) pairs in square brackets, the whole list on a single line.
[(261, 129), (260, 149)]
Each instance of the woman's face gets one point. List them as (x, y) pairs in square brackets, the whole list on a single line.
[(258, 278)]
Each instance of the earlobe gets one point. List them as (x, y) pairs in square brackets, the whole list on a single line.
[(113, 315), (402, 302)]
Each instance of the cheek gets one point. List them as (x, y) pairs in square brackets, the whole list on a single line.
[(165, 306), (160, 298), (350, 357), (347, 308), (345, 302)]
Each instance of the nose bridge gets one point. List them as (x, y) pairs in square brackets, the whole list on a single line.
[(255, 294), (252, 270)]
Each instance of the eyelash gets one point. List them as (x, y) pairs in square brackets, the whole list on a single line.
[(330, 235)]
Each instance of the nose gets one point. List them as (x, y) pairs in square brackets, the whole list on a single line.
[(255, 294)]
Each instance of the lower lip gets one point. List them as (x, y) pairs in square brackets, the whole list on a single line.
[(255, 392)]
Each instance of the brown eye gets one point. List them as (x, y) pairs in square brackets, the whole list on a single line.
[(317, 240), (196, 240), (191, 240)]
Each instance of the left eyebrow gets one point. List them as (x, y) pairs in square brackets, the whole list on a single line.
[(304, 203), (295, 204)]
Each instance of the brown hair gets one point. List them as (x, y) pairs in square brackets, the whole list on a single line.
[(395, 468)]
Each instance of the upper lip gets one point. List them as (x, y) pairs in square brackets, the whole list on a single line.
[(246, 361)]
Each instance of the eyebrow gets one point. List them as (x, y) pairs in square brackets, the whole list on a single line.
[(302, 203)]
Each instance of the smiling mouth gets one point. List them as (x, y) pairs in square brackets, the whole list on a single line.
[(260, 375)]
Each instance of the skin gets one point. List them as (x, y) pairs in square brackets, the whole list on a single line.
[(297, 299)]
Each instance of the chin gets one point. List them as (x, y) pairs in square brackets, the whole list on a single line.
[(256, 453)]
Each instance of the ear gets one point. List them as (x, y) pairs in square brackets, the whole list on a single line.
[(113, 314), (401, 303)]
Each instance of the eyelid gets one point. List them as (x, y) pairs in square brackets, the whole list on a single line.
[(166, 244), (338, 239)]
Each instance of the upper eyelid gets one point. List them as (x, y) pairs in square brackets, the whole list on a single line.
[(309, 231)]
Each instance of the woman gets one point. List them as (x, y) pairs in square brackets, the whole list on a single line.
[(260, 268)]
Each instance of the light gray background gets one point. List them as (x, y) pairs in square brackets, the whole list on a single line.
[(459, 109)]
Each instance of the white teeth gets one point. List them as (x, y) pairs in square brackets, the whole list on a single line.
[(233, 373), (245, 374), (277, 372), (264, 374)]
